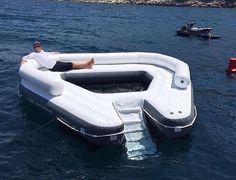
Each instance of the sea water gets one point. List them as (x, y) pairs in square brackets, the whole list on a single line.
[(32, 145)]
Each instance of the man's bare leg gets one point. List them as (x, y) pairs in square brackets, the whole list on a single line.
[(83, 65)]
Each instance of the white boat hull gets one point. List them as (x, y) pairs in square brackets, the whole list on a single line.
[(167, 102)]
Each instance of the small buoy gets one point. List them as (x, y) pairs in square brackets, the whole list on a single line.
[(232, 66)]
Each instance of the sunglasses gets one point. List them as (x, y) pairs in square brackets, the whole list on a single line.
[(37, 46)]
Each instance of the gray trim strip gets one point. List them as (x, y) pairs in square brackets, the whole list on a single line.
[(173, 127), (82, 131)]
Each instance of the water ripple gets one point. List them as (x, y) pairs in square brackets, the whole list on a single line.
[(80, 27)]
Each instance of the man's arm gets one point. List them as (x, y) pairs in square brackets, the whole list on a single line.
[(24, 59), (53, 52)]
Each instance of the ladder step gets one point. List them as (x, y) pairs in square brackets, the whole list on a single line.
[(136, 136), (139, 144), (137, 128), (129, 110)]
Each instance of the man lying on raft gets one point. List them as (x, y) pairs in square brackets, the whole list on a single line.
[(43, 59)]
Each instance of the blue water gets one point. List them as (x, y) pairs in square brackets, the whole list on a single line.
[(30, 151)]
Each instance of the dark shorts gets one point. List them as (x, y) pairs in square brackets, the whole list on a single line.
[(62, 66)]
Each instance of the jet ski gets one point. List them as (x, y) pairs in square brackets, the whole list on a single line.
[(189, 30)]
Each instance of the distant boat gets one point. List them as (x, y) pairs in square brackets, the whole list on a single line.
[(189, 30)]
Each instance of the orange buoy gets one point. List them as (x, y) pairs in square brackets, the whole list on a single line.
[(231, 66)]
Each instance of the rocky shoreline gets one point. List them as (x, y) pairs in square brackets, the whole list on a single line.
[(185, 3)]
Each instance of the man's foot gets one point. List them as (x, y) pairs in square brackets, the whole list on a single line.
[(91, 63)]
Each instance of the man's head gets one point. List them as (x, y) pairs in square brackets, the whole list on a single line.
[(37, 46)]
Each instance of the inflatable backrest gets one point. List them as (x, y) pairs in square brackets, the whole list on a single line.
[(45, 80), (181, 69)]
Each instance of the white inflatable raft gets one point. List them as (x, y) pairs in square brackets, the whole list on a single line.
[(165, 101)]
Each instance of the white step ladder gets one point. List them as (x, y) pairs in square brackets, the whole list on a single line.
[(139, 143)]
